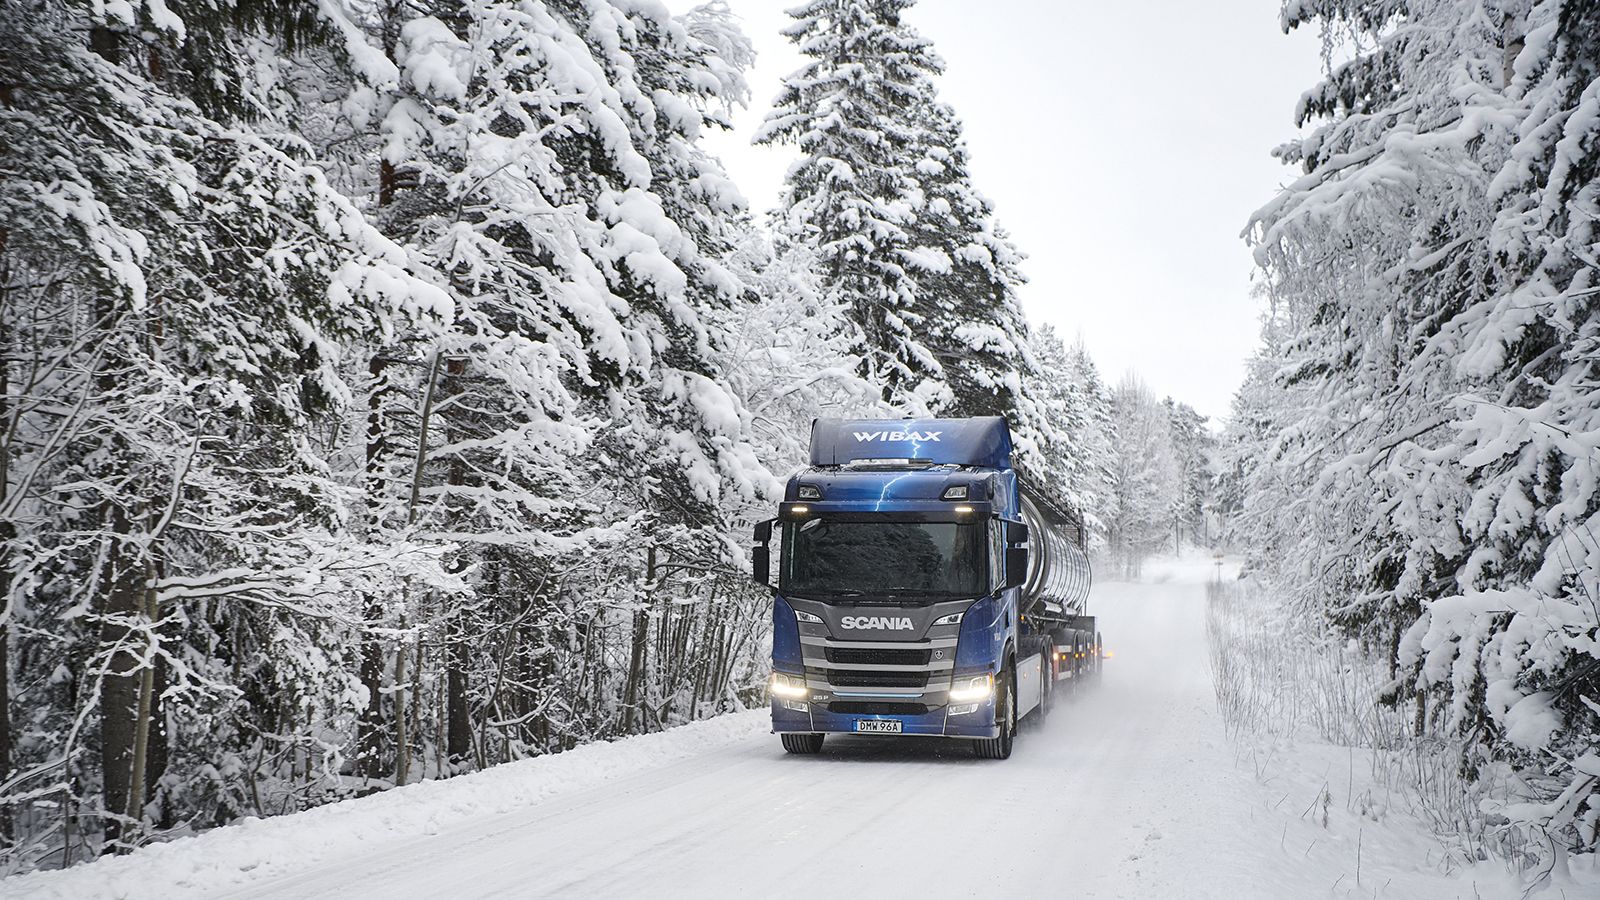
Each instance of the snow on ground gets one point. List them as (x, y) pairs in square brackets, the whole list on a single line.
[(1128, 790)]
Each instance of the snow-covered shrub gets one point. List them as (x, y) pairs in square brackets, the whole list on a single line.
[(1283, 681)]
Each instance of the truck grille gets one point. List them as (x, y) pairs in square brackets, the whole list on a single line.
[(907, 657), (876, 708), (841, 678)]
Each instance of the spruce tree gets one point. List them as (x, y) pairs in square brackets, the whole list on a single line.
[(855, 195), (884, 197)]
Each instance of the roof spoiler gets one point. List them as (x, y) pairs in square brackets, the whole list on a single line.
[(983, 441)]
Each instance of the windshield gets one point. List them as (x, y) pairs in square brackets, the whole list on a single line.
[(836, 558)]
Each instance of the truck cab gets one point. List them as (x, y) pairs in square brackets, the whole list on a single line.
[(901, 559)]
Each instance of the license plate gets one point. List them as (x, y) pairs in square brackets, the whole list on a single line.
[(878, 726)]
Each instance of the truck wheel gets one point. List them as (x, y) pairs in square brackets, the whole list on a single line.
[(801, 742), (1005, 713), (1074, 663)]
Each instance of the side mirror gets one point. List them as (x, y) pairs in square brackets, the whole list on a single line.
[(761, 554), (1016, 532), (1016, 566)]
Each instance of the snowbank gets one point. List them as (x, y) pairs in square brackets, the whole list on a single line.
[(259, 849)]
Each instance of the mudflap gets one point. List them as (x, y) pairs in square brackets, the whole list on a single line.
[(1030, 685)]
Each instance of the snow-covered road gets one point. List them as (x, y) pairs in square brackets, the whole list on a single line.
[(1129, 790), (1094, 799)]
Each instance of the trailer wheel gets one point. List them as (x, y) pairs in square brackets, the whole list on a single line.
[(1075, 661), (801, 742), (1005, 714)]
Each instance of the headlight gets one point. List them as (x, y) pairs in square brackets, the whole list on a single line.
[(952, 619), (804, 616), (969, 689), (791, 687)]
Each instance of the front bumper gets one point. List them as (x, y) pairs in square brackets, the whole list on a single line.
[(937, 722)]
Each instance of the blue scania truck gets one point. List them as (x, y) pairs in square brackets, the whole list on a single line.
[(922, 587)]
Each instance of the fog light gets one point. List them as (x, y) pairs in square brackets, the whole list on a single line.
[(963, 709), (797, 705)]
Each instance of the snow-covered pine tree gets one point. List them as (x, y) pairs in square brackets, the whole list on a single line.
[(1146, 479), (1075, 451), (183, 290), (1098, 443), (789, 356), (587, 445), (1436, 265), (1192, 447), (884, 198), (967, 273), (855, 194)]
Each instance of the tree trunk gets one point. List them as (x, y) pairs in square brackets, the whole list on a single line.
[(8, 533), (402, 742), (633, 693), (119, 693), (156, 747), (147, 676), (459, 736), (369, 728), (6, 833), (460, 731)]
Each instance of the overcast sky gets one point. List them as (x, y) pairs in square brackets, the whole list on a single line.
[(1124, 145)]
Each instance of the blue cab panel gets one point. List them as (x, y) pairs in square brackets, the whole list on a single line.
[(984, 442), (786, 655)]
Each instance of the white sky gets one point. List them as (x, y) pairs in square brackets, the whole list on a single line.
[(1124, 146)]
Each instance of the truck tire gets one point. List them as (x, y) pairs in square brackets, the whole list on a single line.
[(801, 742), (1005, 715), (1074, 647)]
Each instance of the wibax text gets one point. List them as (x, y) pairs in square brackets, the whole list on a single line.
[(863, 437)]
